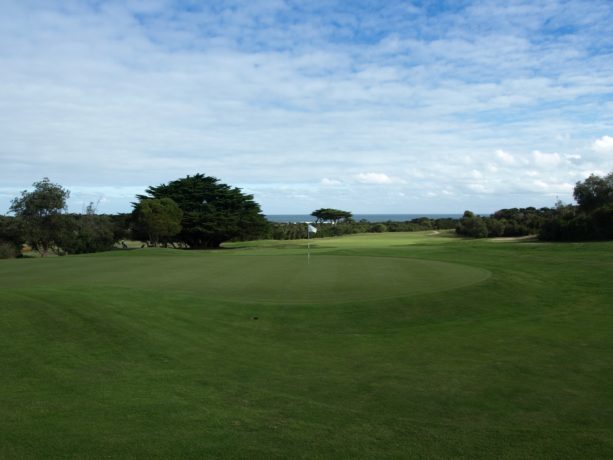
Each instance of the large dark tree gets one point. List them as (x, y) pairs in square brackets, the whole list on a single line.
[(40, 214), (213, 212)]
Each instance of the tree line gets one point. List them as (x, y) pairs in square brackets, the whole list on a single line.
[(200, 212), (193, 212), (291, 231), (590, 219)]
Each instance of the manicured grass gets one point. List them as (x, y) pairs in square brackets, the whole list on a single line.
[(293, 278), (392, 345)]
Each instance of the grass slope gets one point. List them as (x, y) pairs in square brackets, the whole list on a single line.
[(154, 354)]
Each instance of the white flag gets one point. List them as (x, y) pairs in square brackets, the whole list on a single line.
[(311, 228)]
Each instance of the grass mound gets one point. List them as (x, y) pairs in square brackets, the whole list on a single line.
[(248, 277)]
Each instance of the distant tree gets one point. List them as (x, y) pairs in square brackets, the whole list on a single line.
[(472, 225), (86, 233), (593, 192), (122, 225), (290, 231), (213, 212), (331, 215), (378, 228), (495, 227), (517, 221), (591, 219), (40, 214), (602, 222), (160, 219)]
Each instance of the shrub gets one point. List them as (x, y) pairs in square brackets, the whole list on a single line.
[(472, 226), (8, 251), (378, 228), (495, 227)]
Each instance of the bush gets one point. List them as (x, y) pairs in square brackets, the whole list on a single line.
[(602, 220), (515, 228), (8, 251), (11, 231), (472, 226), (572, 223), (495, 227), (378, 228), (520, 221), (86, 234)]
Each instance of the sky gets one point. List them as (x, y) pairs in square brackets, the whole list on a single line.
[(371, 106)]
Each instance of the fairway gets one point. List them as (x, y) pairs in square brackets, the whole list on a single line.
[(405, 345), (249, 278)]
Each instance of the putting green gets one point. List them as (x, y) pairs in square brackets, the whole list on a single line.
[(275, 279)]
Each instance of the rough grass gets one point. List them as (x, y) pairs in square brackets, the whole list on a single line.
[(129, 354)]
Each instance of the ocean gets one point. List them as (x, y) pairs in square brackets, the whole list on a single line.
[(281, 218)]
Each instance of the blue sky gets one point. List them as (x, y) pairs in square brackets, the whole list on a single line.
[(369, 106)]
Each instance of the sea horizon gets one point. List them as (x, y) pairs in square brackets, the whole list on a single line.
[(399, 217)]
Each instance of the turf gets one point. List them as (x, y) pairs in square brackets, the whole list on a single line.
[(293, 278), (384, 346)]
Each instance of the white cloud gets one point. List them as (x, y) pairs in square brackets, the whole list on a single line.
[(546, 160), (541, 184), (264, 93), (330, 182), (505, 157), (603, 145), (374, 178), (553, 188), (478, 188)]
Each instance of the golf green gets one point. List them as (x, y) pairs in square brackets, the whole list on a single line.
[(250, 278)]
